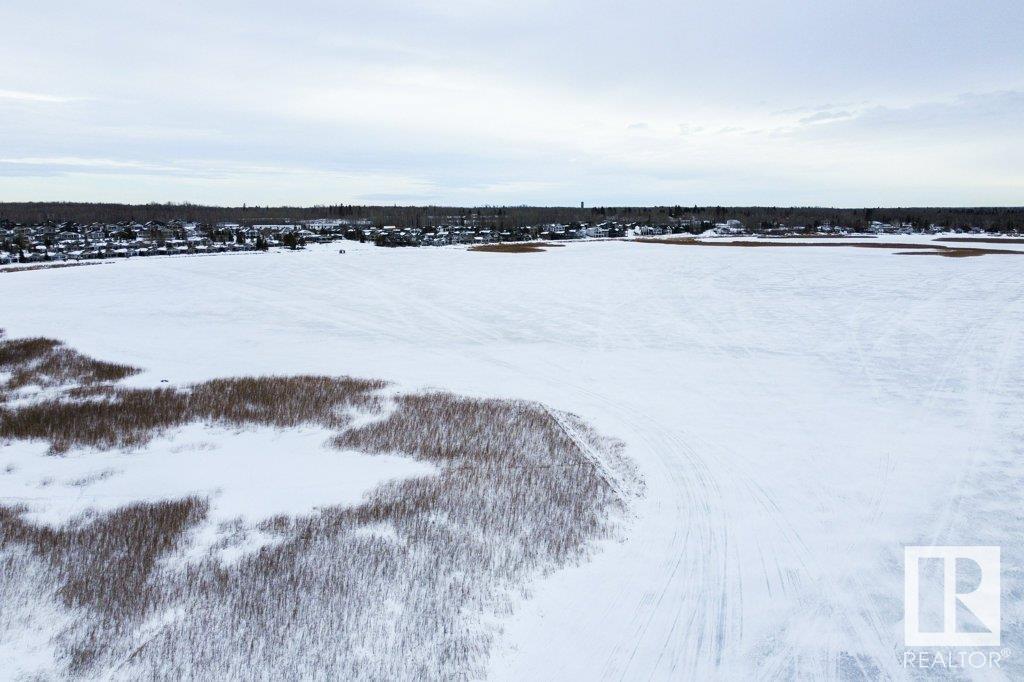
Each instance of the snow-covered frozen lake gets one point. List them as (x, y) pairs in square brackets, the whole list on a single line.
[(799, 416)]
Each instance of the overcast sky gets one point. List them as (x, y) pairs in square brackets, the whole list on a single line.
[(824, 102)]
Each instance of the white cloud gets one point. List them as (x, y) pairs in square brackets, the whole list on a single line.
[(21, 96), (79, 162)]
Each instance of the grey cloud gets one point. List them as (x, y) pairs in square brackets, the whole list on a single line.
[(825, 116), (206, 99), (395, 197), (967, 115)]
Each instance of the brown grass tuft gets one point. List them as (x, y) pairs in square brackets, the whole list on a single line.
[(47, 363), (282, 401), (121, 417), (986, 240), (958, 252), (93, 412), (515, 247)]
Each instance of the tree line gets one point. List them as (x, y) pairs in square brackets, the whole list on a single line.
[(992, 219)]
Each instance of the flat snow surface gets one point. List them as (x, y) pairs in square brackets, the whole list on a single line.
[(253, 474), (799, 416)]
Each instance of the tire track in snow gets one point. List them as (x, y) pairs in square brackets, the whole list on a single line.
[(701, 587), (693, 613), (816, 587), (1012, 322)]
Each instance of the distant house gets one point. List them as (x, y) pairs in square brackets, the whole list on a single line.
[(323, 224), (274, 229), (650, 230)]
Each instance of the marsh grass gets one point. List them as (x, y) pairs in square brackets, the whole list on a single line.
[(45, 362), (406, 585), (960, 252), (91, 411), (515, 247), (130, 417), (104, 567), (283, 401), (986, 240)]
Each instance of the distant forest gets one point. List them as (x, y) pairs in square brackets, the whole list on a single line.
[(1007, 219)]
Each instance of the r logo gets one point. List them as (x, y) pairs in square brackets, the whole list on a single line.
[(982, 600)]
